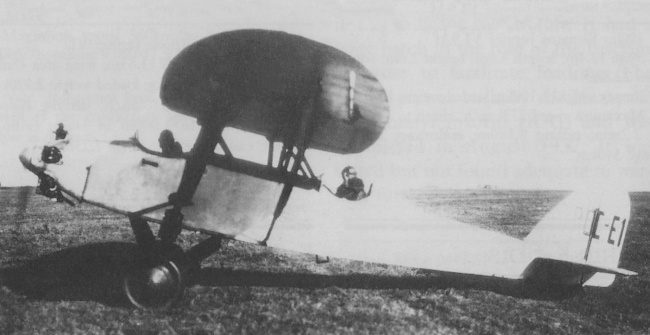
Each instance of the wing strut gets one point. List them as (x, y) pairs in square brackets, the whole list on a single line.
[(294, 150), (298, 159), (206, 142)]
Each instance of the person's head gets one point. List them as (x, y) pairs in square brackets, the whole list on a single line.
[(166, 138), (348, 173), (60, 125)]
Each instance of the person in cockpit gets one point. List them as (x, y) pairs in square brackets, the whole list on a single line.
[(352, 187), (170, 148)]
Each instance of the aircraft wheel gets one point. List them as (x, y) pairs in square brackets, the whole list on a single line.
[(159, 287)]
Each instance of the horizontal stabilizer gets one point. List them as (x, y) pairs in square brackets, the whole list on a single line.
[(561, 272)]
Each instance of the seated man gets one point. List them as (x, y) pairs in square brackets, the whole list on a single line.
[(352, 187), (170, 148), (60, 133)]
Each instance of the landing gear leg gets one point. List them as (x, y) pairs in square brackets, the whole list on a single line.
[(206, 142), (171, 225), (161, 284), (143, 236), (196, 254)]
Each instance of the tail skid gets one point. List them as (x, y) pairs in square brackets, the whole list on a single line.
[(580, 240)]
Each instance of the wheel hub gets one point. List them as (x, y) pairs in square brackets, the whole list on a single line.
[(154, 288)]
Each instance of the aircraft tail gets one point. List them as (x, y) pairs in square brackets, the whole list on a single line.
[(580, 240)]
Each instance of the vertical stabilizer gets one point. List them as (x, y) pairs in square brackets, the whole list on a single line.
[(587, 228)]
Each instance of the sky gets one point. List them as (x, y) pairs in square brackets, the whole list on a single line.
[(514, 94)]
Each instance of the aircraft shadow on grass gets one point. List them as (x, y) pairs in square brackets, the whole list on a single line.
[(94, 272)]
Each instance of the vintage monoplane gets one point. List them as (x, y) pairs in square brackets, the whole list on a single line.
[(303, 95)]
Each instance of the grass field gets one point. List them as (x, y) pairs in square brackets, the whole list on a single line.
[(61, 268)]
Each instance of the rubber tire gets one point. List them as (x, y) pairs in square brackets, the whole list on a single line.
[(155, 288)]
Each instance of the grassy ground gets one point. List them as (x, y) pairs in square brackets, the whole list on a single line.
[(61, 268)]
